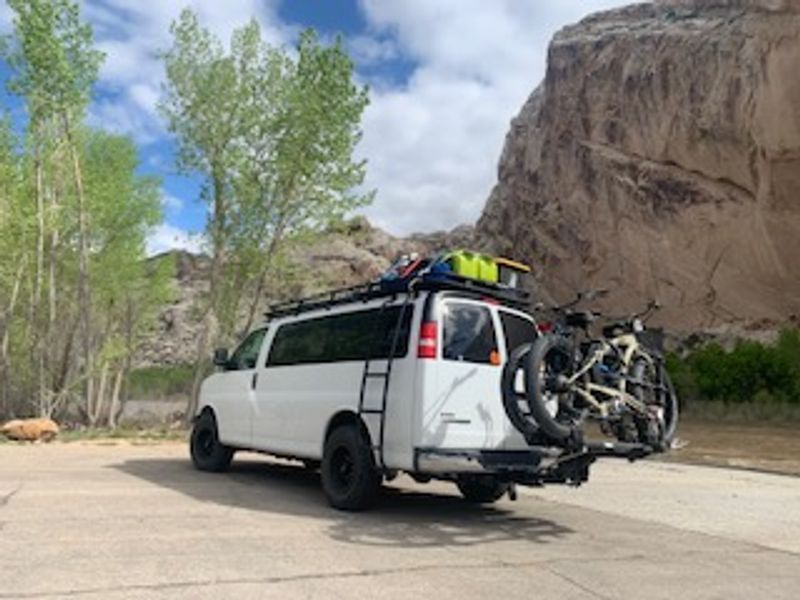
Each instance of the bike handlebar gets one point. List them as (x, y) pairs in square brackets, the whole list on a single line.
[(643, 315)]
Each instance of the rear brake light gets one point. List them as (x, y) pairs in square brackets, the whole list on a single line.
[(544, 327), (427, 340)]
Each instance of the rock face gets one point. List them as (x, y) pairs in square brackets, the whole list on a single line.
[(660, 158), (354, 253)]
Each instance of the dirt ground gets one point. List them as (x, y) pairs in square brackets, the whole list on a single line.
[(117, 520), (762, 447)]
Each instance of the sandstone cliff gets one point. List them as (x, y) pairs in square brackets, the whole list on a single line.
[(660, 158)]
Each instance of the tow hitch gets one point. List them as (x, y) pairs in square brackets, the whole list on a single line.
[(572, 468)]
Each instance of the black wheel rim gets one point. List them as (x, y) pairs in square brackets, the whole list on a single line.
[(556, 369), (204, 442), (343, 471)]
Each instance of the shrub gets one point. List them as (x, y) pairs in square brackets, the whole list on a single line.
[(750, 372)]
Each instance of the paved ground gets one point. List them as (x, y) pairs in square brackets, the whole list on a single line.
[(125, 521)]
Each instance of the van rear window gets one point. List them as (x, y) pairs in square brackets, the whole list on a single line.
[(518, 331), (468, 333), (339, 338)]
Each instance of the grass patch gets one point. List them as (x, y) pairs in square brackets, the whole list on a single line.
[(773, 413), (100, 434)]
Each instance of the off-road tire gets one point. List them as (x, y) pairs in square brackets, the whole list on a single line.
[(208, 452), (561, 433), (350, 479), (481, 489), (515, 404)]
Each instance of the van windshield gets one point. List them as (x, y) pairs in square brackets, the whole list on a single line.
[(518, 331)]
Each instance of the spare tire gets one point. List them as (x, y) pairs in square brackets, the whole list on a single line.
[(549, 361), (514, 403)]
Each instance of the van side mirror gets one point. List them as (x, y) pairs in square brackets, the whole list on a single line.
[(221, 357)]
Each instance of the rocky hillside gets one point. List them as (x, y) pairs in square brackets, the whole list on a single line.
[(660, 157), (353, 253)]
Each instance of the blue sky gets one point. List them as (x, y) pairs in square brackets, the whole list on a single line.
[(446, 78)]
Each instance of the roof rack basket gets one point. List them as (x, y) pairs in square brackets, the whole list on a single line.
[(385, 289)]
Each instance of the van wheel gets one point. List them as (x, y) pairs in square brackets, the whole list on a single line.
[(481, 489), (208, 453), (349, 477)]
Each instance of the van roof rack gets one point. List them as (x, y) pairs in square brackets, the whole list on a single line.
[(475, 288)]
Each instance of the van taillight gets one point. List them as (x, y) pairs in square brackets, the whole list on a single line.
[(427, 340)]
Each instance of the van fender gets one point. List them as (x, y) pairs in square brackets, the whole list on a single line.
[(206, 406), (345, 417)]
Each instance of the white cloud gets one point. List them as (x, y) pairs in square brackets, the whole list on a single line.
[(166, 237), (6, 16), (368, 50), (432, 142), (433, 145), (171, 203), (131, 33)]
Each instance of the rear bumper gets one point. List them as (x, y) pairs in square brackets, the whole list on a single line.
[(535, 466), (440, 461)]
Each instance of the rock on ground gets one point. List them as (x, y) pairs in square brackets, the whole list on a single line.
[(30, 430)]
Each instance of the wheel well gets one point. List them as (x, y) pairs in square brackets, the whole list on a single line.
[(345, 417), (207, 410)]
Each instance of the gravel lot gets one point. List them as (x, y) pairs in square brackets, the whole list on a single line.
[(125, 521)]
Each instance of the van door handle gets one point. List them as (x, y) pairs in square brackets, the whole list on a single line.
[(255, 380)]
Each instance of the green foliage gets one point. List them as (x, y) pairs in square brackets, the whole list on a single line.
[(74, 216), (52, 57), (749, 372), (152, 383), (273, 133)]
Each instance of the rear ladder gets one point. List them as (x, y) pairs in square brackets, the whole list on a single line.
[(370, 414)]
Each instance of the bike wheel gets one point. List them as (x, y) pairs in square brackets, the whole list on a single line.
[(548, 366), (654, 389)]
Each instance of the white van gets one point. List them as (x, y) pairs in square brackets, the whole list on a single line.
[(371, 384)]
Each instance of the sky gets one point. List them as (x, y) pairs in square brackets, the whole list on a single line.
[(446, 77)]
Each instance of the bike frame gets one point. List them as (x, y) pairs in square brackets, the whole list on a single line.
[(628, 348)]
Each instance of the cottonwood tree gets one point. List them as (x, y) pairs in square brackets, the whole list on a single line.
[(272, 133), (78, 220), (55, 65)]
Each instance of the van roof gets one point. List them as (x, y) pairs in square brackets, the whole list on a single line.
[(471, 288)]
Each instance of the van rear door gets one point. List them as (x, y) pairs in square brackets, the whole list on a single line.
[(461, 408), (517, 329)]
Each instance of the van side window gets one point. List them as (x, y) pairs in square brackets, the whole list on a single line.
[(341, 338), (468, 333), (299, 343), (246, 355), (518, 331)]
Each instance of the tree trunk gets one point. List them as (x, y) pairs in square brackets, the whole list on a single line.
[(262, 277), (39, 344), (5, 363), (100, 399), (210, 314), (84, 292), (39, 191), (115, 404)]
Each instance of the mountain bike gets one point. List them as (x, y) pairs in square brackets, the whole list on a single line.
[(617, 379)]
